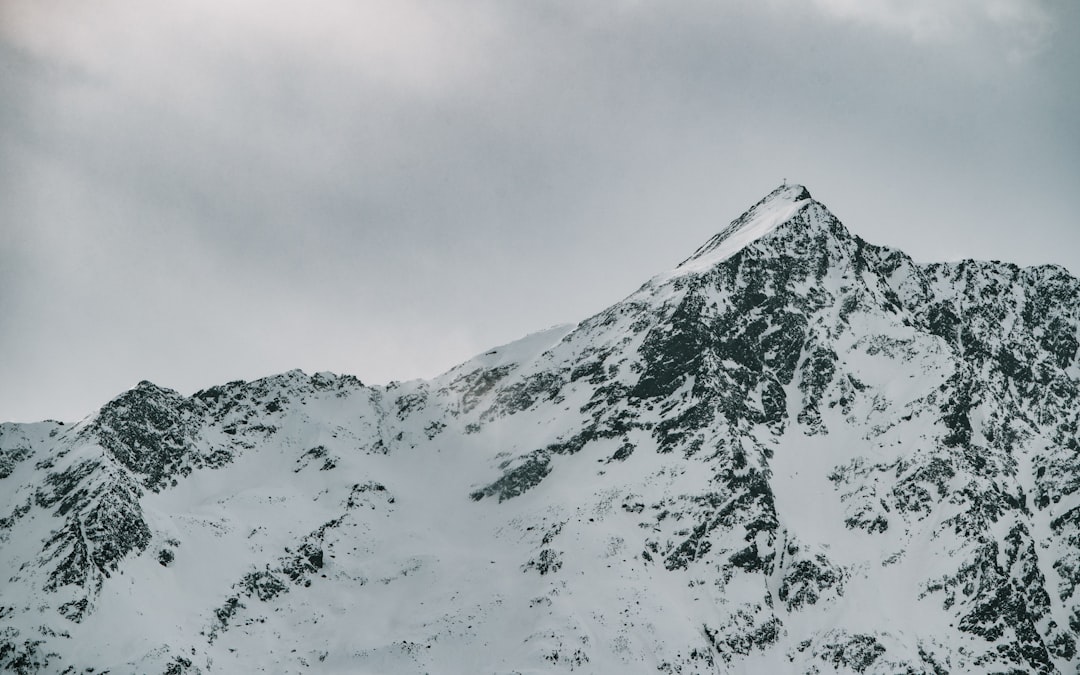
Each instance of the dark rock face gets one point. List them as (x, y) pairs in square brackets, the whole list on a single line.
[(103, 523), (144, 429)]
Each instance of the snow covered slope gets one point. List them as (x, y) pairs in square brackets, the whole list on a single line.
[(795, 453)]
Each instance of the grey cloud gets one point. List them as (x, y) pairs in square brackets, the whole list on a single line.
[(220, 193), (1019, 28)]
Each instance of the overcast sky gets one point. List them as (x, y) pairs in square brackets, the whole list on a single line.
[(200, 191)]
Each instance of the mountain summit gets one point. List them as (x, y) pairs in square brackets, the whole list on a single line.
[(797, 452), (779, 206)]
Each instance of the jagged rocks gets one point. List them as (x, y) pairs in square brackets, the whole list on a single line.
[(146, 430)]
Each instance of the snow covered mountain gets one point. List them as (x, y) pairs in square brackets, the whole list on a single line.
[(796, 452)]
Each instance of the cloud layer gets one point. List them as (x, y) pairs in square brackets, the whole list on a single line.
[(1020, 26), (201, 191)]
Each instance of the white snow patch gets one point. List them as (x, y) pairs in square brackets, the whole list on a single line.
[(755, 224)]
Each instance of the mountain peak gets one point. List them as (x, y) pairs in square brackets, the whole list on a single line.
[(775, 208), (792, 192)]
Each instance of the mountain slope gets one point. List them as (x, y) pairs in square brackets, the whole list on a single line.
[(795, 452)]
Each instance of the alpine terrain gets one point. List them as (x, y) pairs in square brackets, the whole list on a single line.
[(796, 452)]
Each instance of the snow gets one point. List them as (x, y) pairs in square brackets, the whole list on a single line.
[(779, 207), (520, 350)]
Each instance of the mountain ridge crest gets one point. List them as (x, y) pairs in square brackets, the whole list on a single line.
[(776, 208)]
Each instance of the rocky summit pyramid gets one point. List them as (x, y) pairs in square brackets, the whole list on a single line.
[(796, 452)]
